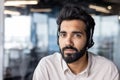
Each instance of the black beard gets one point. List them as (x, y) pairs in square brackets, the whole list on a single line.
[(70, 58)]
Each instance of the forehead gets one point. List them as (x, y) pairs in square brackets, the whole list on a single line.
[(67, 25)]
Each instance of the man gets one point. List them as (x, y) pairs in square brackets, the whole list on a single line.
[(74, 62)]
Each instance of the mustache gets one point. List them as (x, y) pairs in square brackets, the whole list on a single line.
[(69, 47)]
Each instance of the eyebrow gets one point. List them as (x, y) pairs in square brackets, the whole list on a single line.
[(74, 32), (62, 32)]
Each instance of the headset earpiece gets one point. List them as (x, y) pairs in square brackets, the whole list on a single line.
[(90, 42)]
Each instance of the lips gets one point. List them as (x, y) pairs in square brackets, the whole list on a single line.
[(69, 51)]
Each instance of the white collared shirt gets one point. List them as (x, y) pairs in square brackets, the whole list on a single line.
[(53, 67)]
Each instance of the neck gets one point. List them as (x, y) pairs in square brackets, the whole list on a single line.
[(79, 65)]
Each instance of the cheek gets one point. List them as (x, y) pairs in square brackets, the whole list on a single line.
[(79, 44)]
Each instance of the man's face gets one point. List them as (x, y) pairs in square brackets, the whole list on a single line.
[(72, 39)]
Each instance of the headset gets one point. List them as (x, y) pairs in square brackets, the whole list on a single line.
[(90, 41)]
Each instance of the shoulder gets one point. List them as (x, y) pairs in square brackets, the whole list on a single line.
[(102, 63), (104, 67), (53, 58), (100, 59), (46, 65)]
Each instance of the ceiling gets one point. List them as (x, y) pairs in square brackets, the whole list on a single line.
[(114, 6)]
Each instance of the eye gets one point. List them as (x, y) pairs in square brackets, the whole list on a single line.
[(78, 35), (62, 35)]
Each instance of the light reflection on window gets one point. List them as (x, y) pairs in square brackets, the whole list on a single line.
[(17, 31)]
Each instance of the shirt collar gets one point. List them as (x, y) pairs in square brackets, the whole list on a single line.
[(64, 64), (86, 71)]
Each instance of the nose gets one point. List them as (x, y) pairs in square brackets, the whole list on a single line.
[(69, 41)]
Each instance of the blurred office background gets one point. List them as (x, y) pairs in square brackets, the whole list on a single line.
[(30, 32)]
